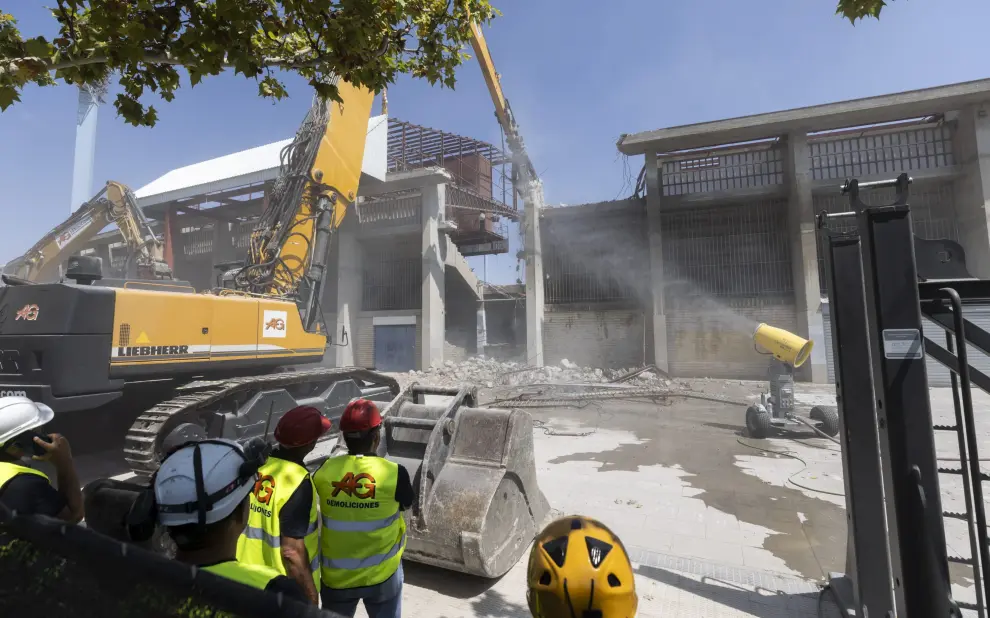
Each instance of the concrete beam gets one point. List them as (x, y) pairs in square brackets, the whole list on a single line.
[(434, 286), (405, 181), (804, 256), (349, 286), (857, 112)]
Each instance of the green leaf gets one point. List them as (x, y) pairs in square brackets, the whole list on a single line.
[(8, 96)]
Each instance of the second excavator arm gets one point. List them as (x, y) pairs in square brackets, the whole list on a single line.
[(527, 178), (318, 180), (116, 204)]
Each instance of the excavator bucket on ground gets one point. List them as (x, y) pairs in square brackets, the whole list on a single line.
[(478, 503)]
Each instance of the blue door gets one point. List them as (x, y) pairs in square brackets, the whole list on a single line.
[(395, 348)]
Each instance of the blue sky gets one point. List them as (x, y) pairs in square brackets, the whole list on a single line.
[(578, 75)]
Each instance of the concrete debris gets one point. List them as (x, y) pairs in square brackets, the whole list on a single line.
[(490, 373)]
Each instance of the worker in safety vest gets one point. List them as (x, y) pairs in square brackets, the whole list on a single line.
[(201, 495), (364, 534), (24, 489), (578, 568), (283, 528)]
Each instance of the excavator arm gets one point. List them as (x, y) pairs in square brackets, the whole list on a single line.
[(520, 158), (317, 182), (115, 203)]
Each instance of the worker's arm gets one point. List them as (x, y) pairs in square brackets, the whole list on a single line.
[(60, 454), (405, 495), (294, 526)]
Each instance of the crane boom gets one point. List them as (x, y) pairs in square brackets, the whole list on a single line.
[(116, 204), (502, 109), (318, 180), (527, 182)]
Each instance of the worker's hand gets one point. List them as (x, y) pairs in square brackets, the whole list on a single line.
[(58, 450)]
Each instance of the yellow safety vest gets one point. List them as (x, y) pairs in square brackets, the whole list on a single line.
[(364, 533), (254, 575), (260, 543), (9, 470)]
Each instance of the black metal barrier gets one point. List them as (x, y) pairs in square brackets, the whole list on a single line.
[(898, 562), (49, 568)]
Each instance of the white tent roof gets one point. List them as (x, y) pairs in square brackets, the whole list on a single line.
[(252, 166)]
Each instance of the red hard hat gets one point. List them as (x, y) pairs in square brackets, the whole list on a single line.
[(359, 417), (301, 425)]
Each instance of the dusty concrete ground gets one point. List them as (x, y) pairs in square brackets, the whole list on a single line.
[(716, 526)]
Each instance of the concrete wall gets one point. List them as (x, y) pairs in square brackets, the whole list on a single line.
[(712, 340), (611, 338), (460, 319)]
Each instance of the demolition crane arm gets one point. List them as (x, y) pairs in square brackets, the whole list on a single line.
[(503, 111), (318, 180), (116, 204)]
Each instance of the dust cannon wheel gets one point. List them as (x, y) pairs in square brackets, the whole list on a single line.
[(828, 419), (757, 422)]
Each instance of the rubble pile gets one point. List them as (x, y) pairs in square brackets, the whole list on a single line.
[(490, 373)]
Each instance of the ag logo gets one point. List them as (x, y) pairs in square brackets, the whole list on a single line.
[(264, 489), (355, 485), (273, 324), (28, 312)]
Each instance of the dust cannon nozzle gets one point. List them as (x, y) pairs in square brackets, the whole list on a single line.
[(785, 346)]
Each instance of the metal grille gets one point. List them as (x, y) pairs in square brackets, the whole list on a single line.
[(406, 206), (933, 214), (118, 257), (197, 240), (125, 335), (723, 171), (242, 233), (391, 276), (586, 262), (885, 153), (727, 251)]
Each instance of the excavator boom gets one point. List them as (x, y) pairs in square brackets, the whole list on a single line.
[(116, 204)]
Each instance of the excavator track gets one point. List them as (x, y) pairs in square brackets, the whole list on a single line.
[(144, 440)]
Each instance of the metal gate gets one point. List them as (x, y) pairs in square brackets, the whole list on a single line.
[(829, 354), (395, 347), (938, 375)]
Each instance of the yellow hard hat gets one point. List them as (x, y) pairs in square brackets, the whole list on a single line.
[(579, 569)]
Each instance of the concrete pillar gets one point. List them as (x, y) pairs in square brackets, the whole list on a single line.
[(972, 191), (534, 273), (171, 229), (434, 293), (349, 286), (653, 195), (804, 256), (223, 242)]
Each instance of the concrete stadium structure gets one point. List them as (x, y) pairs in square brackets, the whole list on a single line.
[(725, 235)]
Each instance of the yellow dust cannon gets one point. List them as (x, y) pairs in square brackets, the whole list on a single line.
[(776, 407)]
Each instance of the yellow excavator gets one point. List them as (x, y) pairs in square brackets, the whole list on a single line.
[(114, 204), (220, 364)]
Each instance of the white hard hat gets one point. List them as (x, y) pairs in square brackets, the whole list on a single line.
[(19, 414), (225, 471)]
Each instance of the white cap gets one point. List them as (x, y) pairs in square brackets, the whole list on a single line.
[(19, 414), (175, 482)]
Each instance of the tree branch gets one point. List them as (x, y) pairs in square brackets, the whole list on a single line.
[(152, 57)]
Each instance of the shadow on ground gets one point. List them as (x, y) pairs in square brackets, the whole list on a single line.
[(447, 583), (762, 604)]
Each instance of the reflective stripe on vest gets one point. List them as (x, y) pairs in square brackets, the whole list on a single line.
[(254, 575), (9, 470), (364, 534), (261, 543)]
